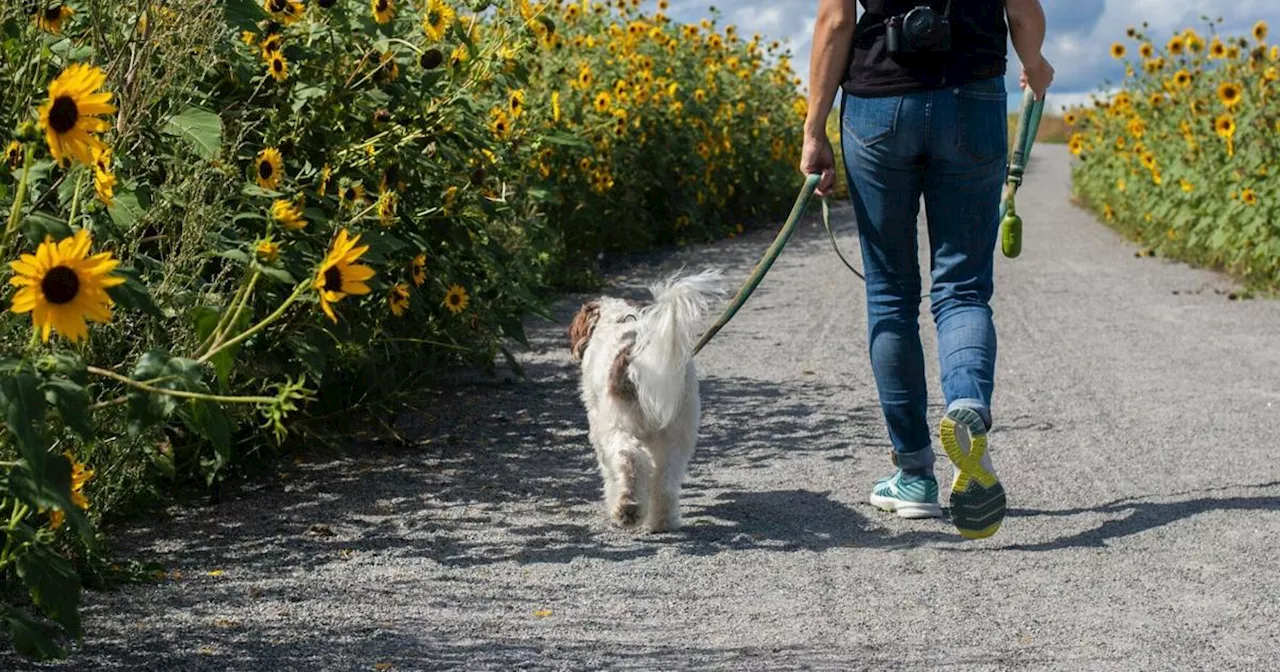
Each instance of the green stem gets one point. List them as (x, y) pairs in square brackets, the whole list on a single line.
[(235, 316), (302, 286), (182, 394), (231, 314), (75, 201), (16, 210)]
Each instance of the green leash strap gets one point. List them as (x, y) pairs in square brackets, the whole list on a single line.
[(766, 262), (1028, 125), (1011, 224)]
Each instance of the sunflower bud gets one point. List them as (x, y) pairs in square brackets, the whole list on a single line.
[(27, 132)]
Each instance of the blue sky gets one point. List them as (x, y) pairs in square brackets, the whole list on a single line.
[(1079, 32)]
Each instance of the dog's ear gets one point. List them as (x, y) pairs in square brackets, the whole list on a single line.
[(581, 327)]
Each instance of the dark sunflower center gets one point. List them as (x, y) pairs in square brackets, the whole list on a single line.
[(265, 169), (60, 285), (455, 299), (63, 114), (333, 279), (278, 5), (53, 14), (435, 19), (277, 64), (431, 59), (380, 5)]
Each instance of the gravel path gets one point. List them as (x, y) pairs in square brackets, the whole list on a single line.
[(1137, 412)]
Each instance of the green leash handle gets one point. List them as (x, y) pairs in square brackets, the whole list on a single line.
[(766, 262), (1028, 126)]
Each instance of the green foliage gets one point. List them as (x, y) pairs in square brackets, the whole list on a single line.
[(1181, 158), (300, 216)]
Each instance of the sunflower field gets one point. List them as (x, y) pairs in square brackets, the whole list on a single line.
[(234, 229), (1182, 156)]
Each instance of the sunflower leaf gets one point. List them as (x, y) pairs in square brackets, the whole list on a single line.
[(54, 586), (133, 294), (200, 127), (207, 419), (32, 638), (244, 14), (48, 486), (39, 225), (24, 410), (125, 209), (72, 402)]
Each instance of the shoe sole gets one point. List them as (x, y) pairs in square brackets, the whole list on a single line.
[(977, 498), (904, 509)]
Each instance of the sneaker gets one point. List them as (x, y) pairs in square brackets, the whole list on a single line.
[(977, 498), (908, 496)]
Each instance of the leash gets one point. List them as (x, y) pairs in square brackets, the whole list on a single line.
[(1010, 223)]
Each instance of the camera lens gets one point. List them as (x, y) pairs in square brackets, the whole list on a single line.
[(920, 23)]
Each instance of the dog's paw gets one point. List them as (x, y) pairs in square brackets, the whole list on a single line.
[(625, 514)]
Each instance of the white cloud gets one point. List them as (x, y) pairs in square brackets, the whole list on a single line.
[(1079, 32)]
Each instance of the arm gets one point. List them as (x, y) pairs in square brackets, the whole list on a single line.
[(1027, 31), (832, 39)]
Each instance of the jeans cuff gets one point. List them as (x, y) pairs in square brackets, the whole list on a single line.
[(973, 404), (916, 459)]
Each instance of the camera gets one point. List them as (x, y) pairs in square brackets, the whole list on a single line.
[(920, 30)]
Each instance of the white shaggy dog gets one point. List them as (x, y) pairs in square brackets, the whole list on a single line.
[(640, 390)]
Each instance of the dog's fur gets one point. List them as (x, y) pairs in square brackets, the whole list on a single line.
[(640, 390)]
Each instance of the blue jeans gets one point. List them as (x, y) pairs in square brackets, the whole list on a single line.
[(949, 145)]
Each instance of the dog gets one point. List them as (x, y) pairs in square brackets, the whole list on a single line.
[(640, 390)]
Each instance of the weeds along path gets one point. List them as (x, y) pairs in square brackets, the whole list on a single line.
[(1137, 415)]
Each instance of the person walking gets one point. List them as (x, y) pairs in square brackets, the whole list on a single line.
[(924, 113)]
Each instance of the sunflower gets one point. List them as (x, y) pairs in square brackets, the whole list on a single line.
[(398, 299), (418, 269), (51, 19), (278, 66), (1117, 50), (1182, 78), (339, 275), (61, 286), (284, 11), (437, 20), (1186, 186), (515, 102), (351, 192), (1137, 127), (387, 207), (1076, 145), (69, 118), (1229, 94), (431, 59), (383, 10), (388, 69), (585, 78), (104, 181), (1068, 119), (1217, 49), (1149, 161), (1177, 45), (272, 44), (288, 214), (1225, 126), (456, 299), (555, 106), (13, 155), (79, 476), (268, 166), (1146, 50), (268, 251), (1260, 31), (459, 56), (602, 102), (1249, 197), (500, 123), (1233, 52)]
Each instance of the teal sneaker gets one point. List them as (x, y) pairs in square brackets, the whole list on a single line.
[(977, 497), (908, 496)]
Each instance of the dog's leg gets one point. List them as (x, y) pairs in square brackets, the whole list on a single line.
[(622, 455)]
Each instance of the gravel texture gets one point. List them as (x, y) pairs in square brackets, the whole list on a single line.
[(1137, 416)]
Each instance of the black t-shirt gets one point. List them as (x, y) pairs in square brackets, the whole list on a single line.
[(979, 36)]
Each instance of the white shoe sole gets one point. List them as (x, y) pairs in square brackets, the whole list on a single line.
[(909, 510)]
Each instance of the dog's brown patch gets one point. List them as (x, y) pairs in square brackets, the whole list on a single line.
[(619, 384), (581, 327)]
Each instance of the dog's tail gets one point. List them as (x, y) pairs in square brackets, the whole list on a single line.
[(665, 336)]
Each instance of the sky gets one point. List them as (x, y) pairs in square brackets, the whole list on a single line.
[(1079, 33)]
